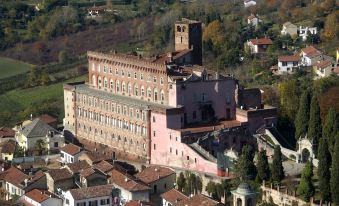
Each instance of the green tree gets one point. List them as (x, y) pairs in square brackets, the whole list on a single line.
[(277, 167), (263, 168), (288, 92), (44, 78), (62, 57), (181, 182), (40, 146), (211, 189), (306, 188), (335, 173), (324, 173), (301, 120), (330, 128), (314, 124), (245, 167)]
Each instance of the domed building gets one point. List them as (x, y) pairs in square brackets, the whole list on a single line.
[(244, 195)]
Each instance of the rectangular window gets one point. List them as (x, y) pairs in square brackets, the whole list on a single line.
[(67, 201), (154, 146), (56, 144), (153, 133), (170, 149), (188, 157)]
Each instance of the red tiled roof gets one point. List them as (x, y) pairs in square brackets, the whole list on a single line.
[(104, 166), (154, 173), (38, 195), (71, 149), (92, 192), (290, 58), (47, 118), (6, 132), (198, 200), (60, 174), (14, 176), (76, 167), (128, 182), (87, 172), (8, 147), (262, 41), (323, 63), (175, 55), (39, 174), (173, 196), (311, 51), (139, 203)]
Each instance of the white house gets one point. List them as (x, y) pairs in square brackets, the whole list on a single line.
[(304, 32), (104, 195), (248, 3), (256, 46), (70, 153), (28, 135), (172, 197), (37, 197), (324, 68), (289, 28), (310, 55), (253, 20), (288, 64)]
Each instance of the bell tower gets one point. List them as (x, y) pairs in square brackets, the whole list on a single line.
[(188, 35)]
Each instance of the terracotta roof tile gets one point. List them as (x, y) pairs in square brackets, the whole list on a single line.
[(8, 147), (96, 157), (87, 172), (139, 203), (262, 41), (38, 195), (198, 200), (14, 176), (311, 51), (154, 173), (47, 118), (128, 182), (71, 149), (76, 167), (92, 192), (60, 174), (323, 63), (290, 58), (6, 132), (173, 196), (104, 166)]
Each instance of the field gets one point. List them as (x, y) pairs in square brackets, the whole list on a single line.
[(11, 67)]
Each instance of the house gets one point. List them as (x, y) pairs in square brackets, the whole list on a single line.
[(7, 150), (17, 183), (310, 55), (93, 157), (258, 45), (59, 179), (70, 153), (172, 197), (248, 3), (129, 187), (289, 28), (77, 167), (48, 119), (6, 134), (160, 179), (40, 198), (92, 177), (198, 200), (104, 166), (104, 195), (253, 20), (28, 135), (304, 32), (324, 68), (288, 64)]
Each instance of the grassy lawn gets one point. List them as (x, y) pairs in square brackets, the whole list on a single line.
[(11, 67)]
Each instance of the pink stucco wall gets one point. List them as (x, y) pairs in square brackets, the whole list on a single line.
[(167, 148)]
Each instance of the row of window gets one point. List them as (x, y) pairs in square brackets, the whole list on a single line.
[(171, 151), (128, 89), (123, 73)]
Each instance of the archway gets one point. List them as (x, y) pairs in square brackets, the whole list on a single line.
[(305, 155), (239, 202)]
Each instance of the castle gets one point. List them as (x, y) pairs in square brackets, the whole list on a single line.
[(166, 110)]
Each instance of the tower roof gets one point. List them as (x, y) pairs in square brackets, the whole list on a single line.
[(244, 189)]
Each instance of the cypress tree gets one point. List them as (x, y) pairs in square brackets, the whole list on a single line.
[(277, 167), (314, 124), (245, 167), (335, 173), (306, 188), (181, 182), (330, 128), (263, 170), (301, 119), (324, 173)]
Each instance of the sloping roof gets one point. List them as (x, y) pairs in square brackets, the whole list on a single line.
[(289, 58), (198, 200), (8, 147), (171, 56), (60, 174), (14, 176), (262, 41), (289, 24), (89, 171), (323, 63), (6, 132), (76, 167), (71, 149), (128, 182), (92, 192), (38, 195), (154, 173), (139, 203), (39, 174), (36, 128), (96, 157), (48, 119), (310, 51), (103, 166), (173, 196)]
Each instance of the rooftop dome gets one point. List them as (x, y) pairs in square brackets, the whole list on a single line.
[(244, 189)]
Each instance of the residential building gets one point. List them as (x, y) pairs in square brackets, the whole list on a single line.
[(27, 136), (17, 183), (104, 166), (92, 177), (289, 28), (288, 64), (77, 167), (253, 20), (7, 150), (59, 179), (198, 200), (70, 153), (310, 55), (305, 32), (160, 179), (129, 187), (37, 197), (162, 110), (324, 68), (104, 195), (257, 46), (172, 197), (6, 134)]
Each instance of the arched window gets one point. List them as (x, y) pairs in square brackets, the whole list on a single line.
[(111, 84), (94, 80), (117, 87), (105, 82), (123, 85), (142, 91), (162, 96), (99, 82), (149, 92), (129, 88), (161, 81), (178, 29), (154, 79), (155, 95), (136, 90)]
